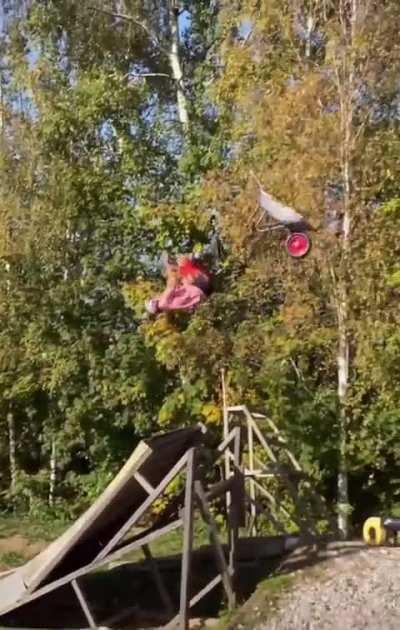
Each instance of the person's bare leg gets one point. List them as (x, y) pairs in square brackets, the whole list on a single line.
[(172, 281), (172, 277)]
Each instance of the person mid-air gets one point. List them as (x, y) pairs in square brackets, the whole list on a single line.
[(188, 285)]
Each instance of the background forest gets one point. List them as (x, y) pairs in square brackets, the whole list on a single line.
[(131, 127)]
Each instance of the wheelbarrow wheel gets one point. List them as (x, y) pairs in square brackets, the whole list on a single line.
[(298, 244)]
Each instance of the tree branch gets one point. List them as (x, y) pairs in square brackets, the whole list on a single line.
[(147, 74), (132, 20)]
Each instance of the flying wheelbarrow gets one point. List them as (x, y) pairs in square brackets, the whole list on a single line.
[(275, 215)]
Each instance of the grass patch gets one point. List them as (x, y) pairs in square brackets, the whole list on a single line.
[(12, 559), (275, 585), (171, 544), (33, 529), (261, 605)]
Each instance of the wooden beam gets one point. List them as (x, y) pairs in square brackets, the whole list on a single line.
[(237, 513), (205, 590), (228, 436), (145, 505), (251, 523), (96, 564), (119, 617), (290, 455), (153, 566), (227, 441), (219, 488), (219, 552), (237, 447), (274, 503), (196, 599), (143, 482), (184, 609), (261, 438), (272, 515), (303, 520), (237, 518), (84, 605), (253, 508)]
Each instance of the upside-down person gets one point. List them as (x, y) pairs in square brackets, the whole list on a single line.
[(188, 285)]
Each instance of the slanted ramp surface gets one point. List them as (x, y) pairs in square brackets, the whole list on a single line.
[(88, 536)]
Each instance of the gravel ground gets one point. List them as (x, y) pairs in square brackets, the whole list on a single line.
[(357, 589)]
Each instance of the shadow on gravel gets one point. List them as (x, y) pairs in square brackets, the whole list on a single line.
[(317, 553)]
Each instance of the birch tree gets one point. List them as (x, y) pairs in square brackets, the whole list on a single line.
[(344, 59), (306, 97), (84, 164), (159, 23)]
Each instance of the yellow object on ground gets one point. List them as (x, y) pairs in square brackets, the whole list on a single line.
[(374, 532)]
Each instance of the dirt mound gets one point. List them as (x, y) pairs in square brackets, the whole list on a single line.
[(344, 586), (17, 549), (357, 592)]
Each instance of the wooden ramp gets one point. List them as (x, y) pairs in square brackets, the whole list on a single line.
[(100, 531), (247, 489)]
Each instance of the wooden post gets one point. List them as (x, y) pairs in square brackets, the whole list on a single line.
[(227, 458), (236, 508), (83, 603), (219, 552), (153, 566), (188, 521), (253, 505), (226, 434), (237, 447), (143, 507)]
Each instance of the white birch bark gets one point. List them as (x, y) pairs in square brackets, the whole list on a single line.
[(176, 67), (53, 471), (343, 384), (168, 44), (2, 117), (12, 451), (309, 30), (346, 87)]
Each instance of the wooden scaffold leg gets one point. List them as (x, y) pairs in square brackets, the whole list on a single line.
[(187, 542), (219, 552), (84, 605)]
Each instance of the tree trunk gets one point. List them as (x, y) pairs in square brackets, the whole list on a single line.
[(176, 66), (12, 450), (343, 383), (168, 43), (346, 87), (53, 472), (2, 117), (309, 30), (343, 356)]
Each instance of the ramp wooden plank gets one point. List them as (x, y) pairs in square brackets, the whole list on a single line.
[(87, 526), (92, 532)]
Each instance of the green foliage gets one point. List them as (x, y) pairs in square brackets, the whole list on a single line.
[(97, 178), (12, 559), (45, 528)]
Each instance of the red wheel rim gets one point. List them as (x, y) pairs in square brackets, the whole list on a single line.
[(298, 244)]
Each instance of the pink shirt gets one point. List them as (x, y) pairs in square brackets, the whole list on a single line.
[(181, 298)]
